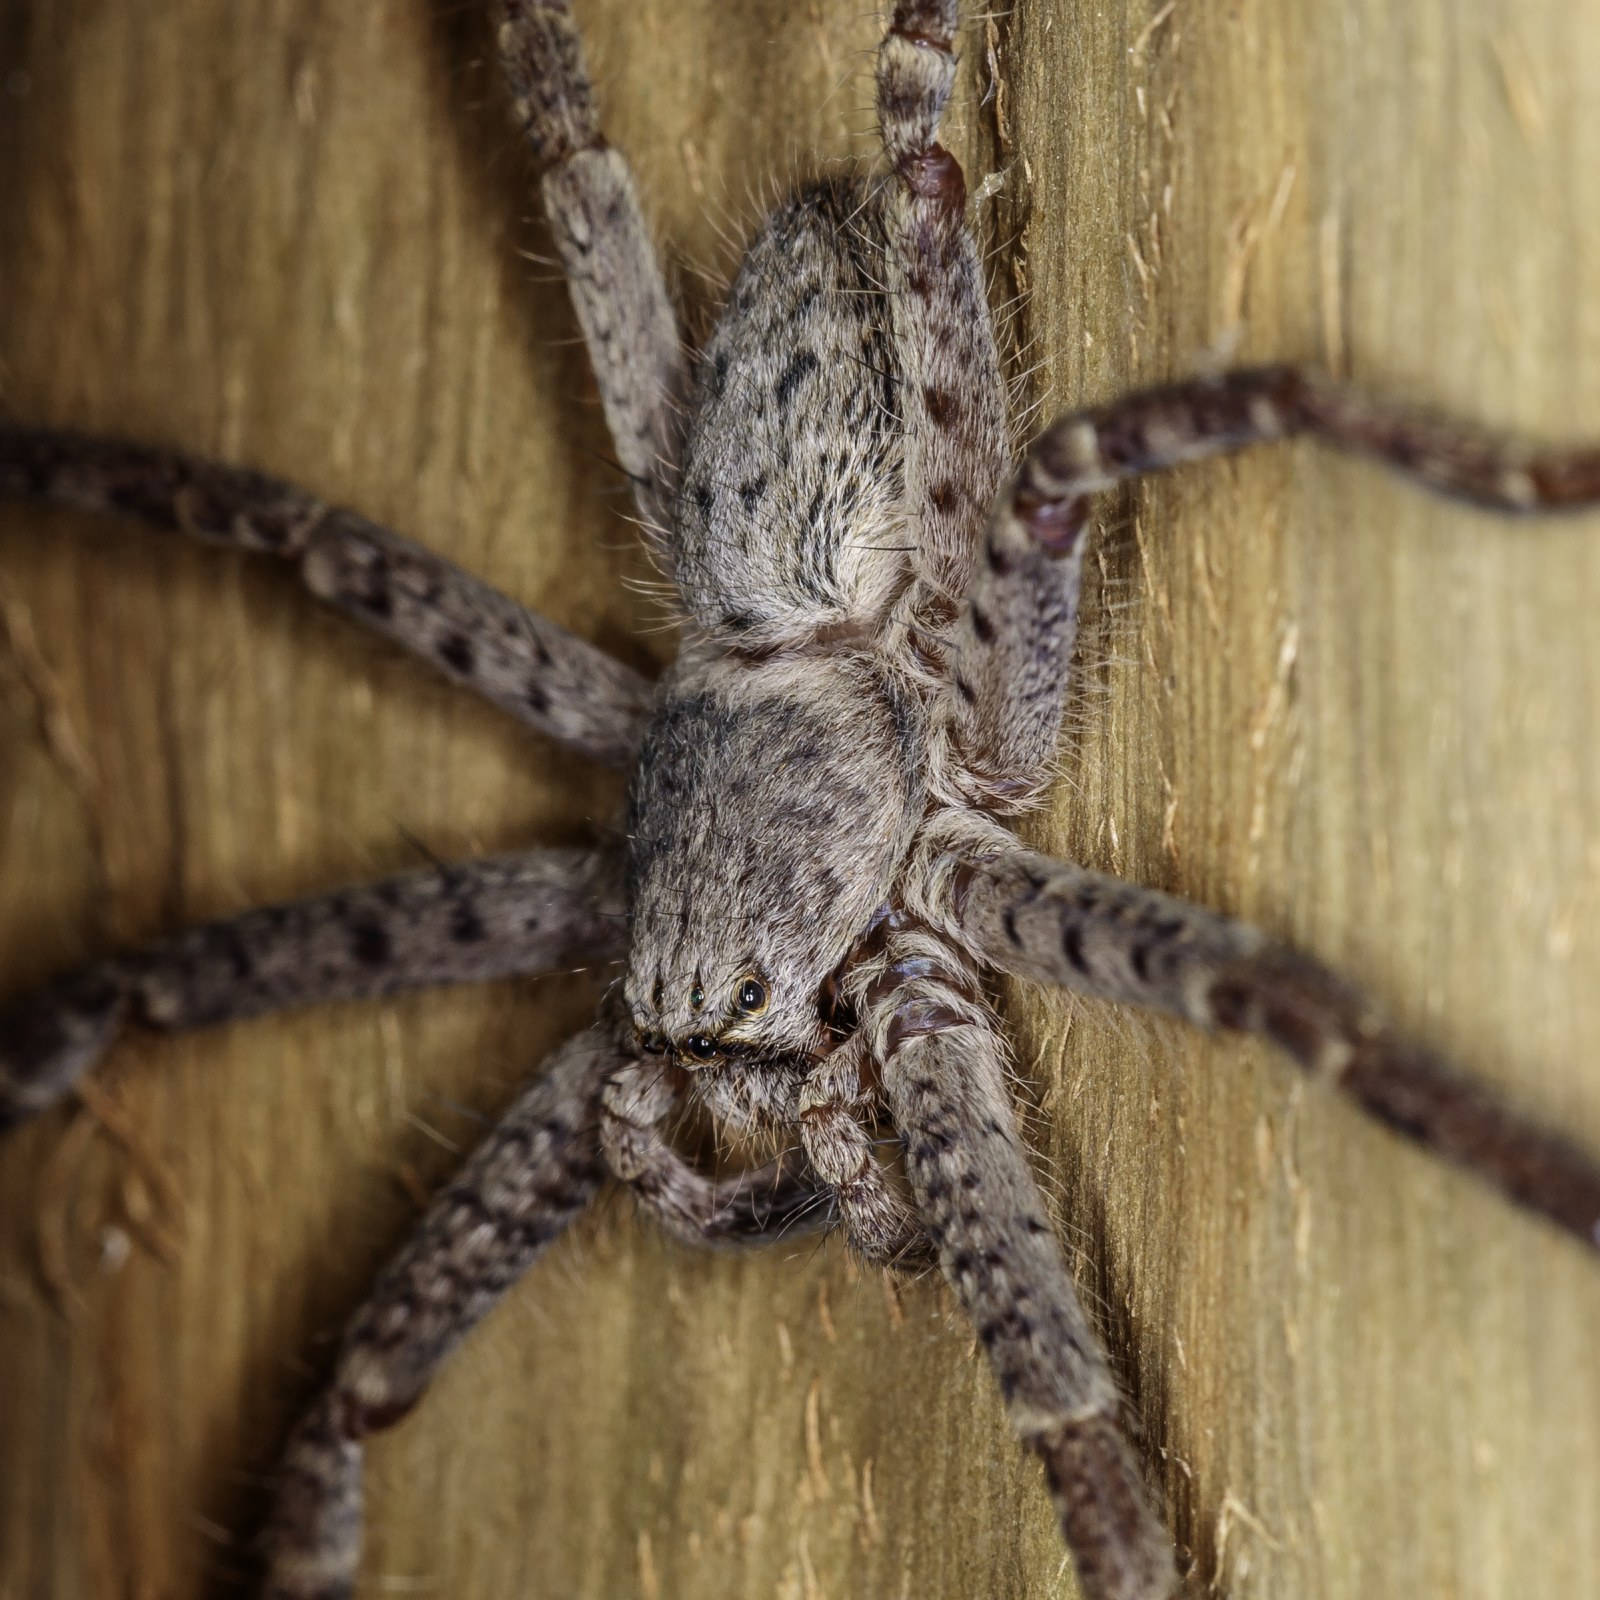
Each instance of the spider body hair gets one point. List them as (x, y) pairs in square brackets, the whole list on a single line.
[(820, 885)]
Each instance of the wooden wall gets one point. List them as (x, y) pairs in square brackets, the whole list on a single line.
[(287, 232)]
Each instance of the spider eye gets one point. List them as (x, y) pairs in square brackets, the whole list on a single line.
[(697, 997), (700, 1047), (752, 996)]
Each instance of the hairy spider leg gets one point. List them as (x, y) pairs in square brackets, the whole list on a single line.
[(522, 1186), (499, 917), (943, 1071), (519, 661), (1059, 923), (628, 322), (759, 1206)]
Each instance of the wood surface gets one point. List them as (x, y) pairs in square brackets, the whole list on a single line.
[(288, 232)]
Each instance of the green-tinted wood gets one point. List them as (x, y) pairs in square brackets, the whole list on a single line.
[(285, 232)]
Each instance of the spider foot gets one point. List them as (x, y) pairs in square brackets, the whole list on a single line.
[(312, 1544), (50, 1037), (1121, 1550)]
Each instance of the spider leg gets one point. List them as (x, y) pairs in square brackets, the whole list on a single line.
[(484, 919), (526, 665), (521, 1187), (956, 449), (616, 285), (836, 1138), (1012, 643), (1011, 651), (1057, 923), (1158, 428), (760, 1206), (943, 1073)]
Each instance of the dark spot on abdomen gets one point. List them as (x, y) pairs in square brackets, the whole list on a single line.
[(941, 406), (801, 365)]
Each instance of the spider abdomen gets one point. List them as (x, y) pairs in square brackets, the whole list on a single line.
[(791, 512)]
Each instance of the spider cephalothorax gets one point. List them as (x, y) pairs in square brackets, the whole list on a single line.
[(817, 880), (767, 816)]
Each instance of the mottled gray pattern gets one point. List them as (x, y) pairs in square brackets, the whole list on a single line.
[(826, 745), (815, 887), (791, 509), (493, 918), (521, 662), (628, 323), (518, 1190)]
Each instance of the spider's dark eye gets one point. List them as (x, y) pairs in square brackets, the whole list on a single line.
[(700, 1047), (752, 996), (697, 997)]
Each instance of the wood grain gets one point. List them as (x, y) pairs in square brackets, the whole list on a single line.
[(286, 231)]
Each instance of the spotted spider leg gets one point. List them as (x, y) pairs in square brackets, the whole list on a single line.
[(952, 398), (501, 917), (600, 234), (521, 662), (1154, 429), (524, 664), (590, 1109), (1058, 923), (522, 1186), (1013, 640), (834, 1115), (941, 1063), (1053, 921)]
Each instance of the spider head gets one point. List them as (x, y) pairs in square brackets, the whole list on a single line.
[(722, 1027), (766, 818)]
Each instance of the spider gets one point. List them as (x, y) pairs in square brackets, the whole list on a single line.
[(819, 1028)]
